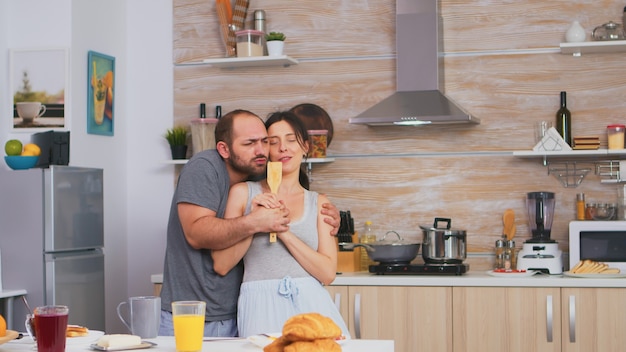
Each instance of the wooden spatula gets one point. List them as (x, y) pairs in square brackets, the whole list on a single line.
[(509, 224), (274, 177)]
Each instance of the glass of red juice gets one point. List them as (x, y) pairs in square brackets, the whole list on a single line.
[(51, 328)]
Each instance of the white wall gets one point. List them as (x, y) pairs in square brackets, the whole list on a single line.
[(150, 109), (138, 185)]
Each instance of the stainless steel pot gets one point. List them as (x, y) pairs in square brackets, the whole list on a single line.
[(388, 251), (443, 245)]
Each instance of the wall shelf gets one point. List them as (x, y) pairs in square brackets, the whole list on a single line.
[(236, 62), (608, 46)]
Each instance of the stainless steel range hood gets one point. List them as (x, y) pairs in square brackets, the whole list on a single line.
[(419, 73)]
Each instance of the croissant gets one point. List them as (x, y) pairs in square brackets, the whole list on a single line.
[(310, 326), (325, 345)]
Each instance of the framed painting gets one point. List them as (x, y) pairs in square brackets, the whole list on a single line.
[(100, 93), (39, 88)]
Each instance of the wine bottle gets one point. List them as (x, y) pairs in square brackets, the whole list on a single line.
[(564, 120)]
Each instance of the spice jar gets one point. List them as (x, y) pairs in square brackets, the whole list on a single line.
[(318, 143), (589, 210), (499, 263), (510, 255), (615, 136)]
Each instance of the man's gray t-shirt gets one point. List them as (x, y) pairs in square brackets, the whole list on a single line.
[(188, 273)]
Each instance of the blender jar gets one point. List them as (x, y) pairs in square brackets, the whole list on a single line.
[(540, 207)]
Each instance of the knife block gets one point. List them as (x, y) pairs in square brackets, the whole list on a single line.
[(349, 261)]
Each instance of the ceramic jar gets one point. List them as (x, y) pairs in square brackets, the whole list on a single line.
[(575, 33)]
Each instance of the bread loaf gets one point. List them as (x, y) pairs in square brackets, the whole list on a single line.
[(588, 266), (119, 340)]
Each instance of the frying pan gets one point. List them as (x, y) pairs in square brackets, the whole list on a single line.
[(388, 251)]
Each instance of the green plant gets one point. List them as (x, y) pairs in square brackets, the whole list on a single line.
[(176, 135), (275, 36)]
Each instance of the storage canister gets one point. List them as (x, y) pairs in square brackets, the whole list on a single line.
[(318, 143), (249, 43), (615, 136), (203, 134)]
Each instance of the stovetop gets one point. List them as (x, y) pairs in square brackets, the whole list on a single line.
[(418, 269)]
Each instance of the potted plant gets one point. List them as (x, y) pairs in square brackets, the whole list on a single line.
[(275, 42), (177, 138)]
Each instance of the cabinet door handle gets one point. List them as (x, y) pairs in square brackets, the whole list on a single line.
[(572, 319), (357, 315), (549, 318), (338, 301)]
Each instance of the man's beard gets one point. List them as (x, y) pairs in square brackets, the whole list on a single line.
[(251, 168)]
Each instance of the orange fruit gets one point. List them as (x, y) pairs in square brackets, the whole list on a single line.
[(32, 148), (13, 147), (3, 326)]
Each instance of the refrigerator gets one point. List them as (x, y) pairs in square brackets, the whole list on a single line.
[(52, 240)]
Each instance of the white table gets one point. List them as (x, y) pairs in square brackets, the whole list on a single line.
[(167, 344), (8, 296)]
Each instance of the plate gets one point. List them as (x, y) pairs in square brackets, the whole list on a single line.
[(596, 276), (526, 273), (92, 335), (11, 335), (266, 339), (143, 344)]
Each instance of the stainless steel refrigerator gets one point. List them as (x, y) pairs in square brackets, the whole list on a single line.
[(52, 240)]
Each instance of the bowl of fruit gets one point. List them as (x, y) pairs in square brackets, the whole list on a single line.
[(21, 157)]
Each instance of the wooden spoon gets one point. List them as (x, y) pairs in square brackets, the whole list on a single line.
[(509, 223), (274, 178)]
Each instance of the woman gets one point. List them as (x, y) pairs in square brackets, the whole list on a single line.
[(284, 278)]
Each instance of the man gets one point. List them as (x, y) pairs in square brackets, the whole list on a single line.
[(196, 223)]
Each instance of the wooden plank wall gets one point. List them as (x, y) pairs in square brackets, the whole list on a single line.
[(501, 63)]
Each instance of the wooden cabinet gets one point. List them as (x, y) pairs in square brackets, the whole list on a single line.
[(594, 319), (506, 319), (416, 318), (538, 319)]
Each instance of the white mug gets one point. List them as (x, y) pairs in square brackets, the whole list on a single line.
[(28, 111), (145, 315)]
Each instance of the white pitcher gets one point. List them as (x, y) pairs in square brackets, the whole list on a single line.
[(145, 315)]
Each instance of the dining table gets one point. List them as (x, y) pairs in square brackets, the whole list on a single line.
[(209, 344)]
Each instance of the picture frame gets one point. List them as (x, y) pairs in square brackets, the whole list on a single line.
[(40, 75), (100, 93)]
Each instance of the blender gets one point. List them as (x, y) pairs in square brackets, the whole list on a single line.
[(540, 252)]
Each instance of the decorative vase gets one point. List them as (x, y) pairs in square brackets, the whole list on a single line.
[(575, 33), (178, 152), (275, 47)]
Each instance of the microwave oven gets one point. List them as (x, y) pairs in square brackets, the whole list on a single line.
[(602, 241)]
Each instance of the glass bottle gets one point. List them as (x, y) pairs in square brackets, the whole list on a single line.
[(366, 237), (564, 120), (580, 206), (499, 264)]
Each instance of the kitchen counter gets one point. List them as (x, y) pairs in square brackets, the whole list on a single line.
[(472, 278), (167, 344)]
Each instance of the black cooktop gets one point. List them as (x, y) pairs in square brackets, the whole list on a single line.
[(418, 269)]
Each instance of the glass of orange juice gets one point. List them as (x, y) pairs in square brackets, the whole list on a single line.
[(188, 318)]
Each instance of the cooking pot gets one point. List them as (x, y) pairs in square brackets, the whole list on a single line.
[(388, 251), (443, 245)]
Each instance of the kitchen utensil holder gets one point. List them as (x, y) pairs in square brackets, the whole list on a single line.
[(609, 171), (568, 173)]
